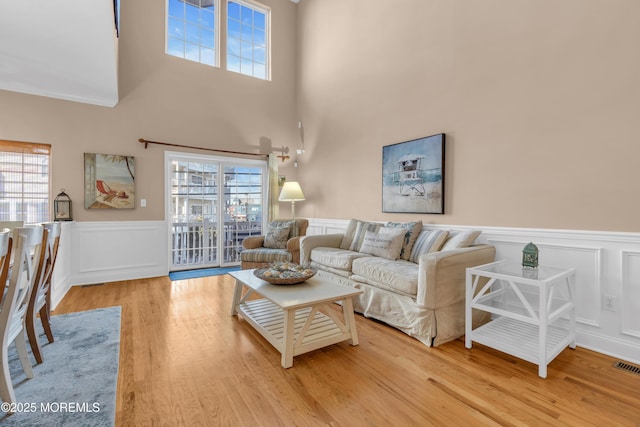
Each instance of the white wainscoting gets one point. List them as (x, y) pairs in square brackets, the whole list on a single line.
[(97, 252), (607, 265), (61, 279)]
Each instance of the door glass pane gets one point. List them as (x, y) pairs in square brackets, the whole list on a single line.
[(194, 200), (243, 208)]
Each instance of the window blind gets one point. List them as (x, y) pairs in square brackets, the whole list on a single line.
[(24, 181)]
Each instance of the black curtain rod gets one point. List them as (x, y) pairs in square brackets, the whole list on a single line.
[(146, 143)]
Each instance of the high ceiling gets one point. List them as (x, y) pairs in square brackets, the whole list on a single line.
[(60, 49)]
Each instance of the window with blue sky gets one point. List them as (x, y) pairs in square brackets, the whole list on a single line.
[(247, 39), (191, 30), (193, 33)]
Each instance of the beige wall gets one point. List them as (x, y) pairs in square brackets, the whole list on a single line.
[(539, 100), (162, 98)]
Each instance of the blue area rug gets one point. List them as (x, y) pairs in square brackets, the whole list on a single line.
[(203, 272), (76, 383)]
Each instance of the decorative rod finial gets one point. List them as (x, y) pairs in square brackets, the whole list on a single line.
[(284, 155)]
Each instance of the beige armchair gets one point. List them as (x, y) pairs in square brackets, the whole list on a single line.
[(278, 244)]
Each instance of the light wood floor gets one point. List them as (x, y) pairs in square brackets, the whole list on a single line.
[(185, 361)]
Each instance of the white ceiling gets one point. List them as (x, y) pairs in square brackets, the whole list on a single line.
[(65, 49)]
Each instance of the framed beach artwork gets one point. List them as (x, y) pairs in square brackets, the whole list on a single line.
[(109, 181), (413, 176)]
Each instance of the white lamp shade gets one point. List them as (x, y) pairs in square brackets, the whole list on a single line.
[(291, 192)]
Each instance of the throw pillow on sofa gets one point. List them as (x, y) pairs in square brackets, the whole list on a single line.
[(347, 238), (277, 235), (413, 230), (460, 239), (355, 235), (386, 243), (428, 241)]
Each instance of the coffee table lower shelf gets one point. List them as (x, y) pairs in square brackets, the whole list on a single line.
[(312, 329)]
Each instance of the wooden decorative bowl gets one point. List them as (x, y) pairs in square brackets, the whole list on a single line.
[(285, 274)]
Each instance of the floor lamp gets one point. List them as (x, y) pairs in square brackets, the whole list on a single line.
[(291, 192)]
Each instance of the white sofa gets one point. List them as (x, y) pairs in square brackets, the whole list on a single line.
[(421, 292)]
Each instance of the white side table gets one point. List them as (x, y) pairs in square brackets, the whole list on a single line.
[(526, 305)]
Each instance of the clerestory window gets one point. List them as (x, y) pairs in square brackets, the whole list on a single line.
[(248, 39), (193, 33), (192, 30)]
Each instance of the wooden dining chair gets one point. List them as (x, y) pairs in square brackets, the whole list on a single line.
[(40, 301), (26, 255)]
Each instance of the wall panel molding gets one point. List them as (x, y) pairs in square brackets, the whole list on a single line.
[(119, 250), (629, 301), (587, 260)]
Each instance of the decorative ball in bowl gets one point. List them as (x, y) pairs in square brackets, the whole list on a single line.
[(285, 273)]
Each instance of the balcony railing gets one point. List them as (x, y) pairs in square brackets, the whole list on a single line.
[(196, 244)]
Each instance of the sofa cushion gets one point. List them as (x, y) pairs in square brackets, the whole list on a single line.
[(277, 235), (354, 235), (267, 255), (322, 267), (335, 257), (460, 239), (413, 230), (428, 241), (400, 276), (386, 243)]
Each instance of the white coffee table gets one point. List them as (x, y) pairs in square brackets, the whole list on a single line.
[(289, 316)]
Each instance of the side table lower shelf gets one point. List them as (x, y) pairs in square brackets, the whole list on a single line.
[(522, 339)]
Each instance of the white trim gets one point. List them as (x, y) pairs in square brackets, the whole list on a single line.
[(223, 159), (607, 345), (61, 279), (627, 285)]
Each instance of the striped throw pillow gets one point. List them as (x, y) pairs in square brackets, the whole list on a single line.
[(428, 241), (460, 239)]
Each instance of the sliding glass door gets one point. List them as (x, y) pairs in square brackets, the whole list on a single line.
[(213, 203)]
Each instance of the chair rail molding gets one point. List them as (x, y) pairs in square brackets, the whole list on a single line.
[(607, 266)]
